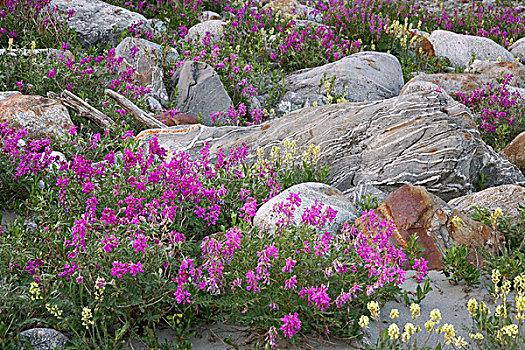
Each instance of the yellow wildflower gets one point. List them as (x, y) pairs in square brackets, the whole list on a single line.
[(373, 307), (472, 307), (34, 290), (476, 336), (394, 313), (435, 315), (364, 321), (393, 331), (87, 317), (415, 310)]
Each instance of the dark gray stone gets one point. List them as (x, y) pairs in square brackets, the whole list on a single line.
[(200, 91), (45, 339)]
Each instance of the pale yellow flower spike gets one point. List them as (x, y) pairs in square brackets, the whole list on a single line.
[(415, 310)]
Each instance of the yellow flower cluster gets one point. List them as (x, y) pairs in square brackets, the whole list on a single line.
[(394, 313), (34, 290), (54, 310), (408, 331), (364, 321), (393, 331), (435, 318), (415, 310), (373, 307), (87, 317), (472, 306), (510, 330), (99, 292), (403, 32), (312, 155)]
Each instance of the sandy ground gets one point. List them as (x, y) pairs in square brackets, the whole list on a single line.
[(450, 300)]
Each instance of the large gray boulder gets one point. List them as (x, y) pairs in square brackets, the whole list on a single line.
[(97, 22), (518, 49), (145, 57), (459, 48), (423, 138), (364, 76), (44, 339), (200, 91), (310, 192), (41, 117), (200, 30), (505, 197)]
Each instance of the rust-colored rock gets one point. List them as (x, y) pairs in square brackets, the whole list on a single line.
[(178, 119), (42, 117), (515, 151), (416, 211)]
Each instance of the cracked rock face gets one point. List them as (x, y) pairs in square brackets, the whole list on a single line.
[(200, 91), (459, 48), (415, 211), (94, 20), (422, 138), (365, 75), (41, 117)]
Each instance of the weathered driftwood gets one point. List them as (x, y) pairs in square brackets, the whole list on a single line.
[(135, 111), (83, 109)]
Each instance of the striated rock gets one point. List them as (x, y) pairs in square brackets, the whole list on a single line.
[(199, 31), (97, 22), (44, 339), (310, 192), (416, 211), (365, 76), (459, 48), (423, 138), (495, 70), (515, 151), (145, 56), (506, 197), (42, 117), (356, 194), (518, 49), (200, 91)]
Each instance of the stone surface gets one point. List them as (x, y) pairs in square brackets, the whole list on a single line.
[(42, 117), (459, 48), (515, 151), (209, 15), (506, 197), (6, 94), (356, 194), (518, 49), (294, 8), (97, 22), (51, 54), (416, 211), (146, 62), (310, 192), (199, 31), (366, 75), (495, 70), (423, 138), (200, 91), (44, 339), (454, 83)]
